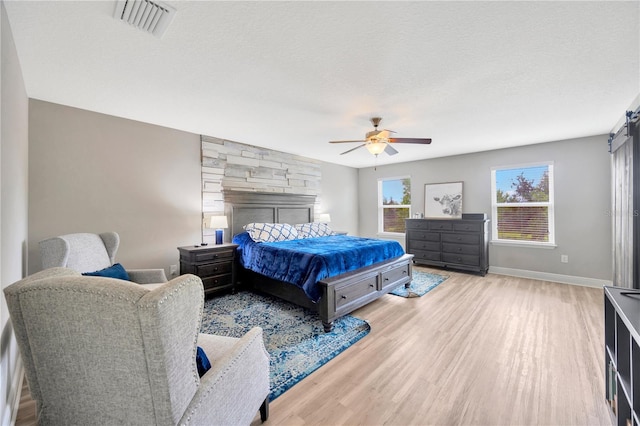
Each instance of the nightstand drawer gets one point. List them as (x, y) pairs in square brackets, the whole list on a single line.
[(213, 269), (217, 281), (217, 255)]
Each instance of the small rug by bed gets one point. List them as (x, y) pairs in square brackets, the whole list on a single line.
[(423, 282), (293, 336)]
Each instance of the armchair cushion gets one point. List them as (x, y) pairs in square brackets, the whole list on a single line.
[(113, 271)]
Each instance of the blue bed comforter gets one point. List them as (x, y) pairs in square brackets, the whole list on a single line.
[(306, 261)]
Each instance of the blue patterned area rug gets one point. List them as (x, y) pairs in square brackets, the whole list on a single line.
[(293, 336), (423, 282)]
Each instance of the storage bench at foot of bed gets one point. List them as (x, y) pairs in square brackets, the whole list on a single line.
[(347, 292)]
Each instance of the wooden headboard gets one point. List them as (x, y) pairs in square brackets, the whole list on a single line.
[(245, 207)]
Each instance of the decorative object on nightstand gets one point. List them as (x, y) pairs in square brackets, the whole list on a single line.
[(219, 223), (215, 265), (323, 218)]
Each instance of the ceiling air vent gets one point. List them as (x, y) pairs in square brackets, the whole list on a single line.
[(151, 16)]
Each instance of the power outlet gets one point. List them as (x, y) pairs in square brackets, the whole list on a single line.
[(564, 258), (173, 270)]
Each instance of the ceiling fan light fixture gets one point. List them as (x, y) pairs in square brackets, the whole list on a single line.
[(376, 147)]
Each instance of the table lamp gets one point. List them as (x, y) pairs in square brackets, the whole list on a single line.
[(219, 223)]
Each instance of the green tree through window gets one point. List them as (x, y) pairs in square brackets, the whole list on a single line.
[(394, 204)]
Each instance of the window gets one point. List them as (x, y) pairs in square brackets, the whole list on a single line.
[(394, 204), (522, 204)]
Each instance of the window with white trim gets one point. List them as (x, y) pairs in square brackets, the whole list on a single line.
[(522, 204), (394, 204)]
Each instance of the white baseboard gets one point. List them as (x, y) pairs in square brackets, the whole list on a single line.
[(13, 401), (546, 276)]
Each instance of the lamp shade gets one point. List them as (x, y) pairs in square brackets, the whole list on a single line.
[(324, 217), (218, 222), (376, 147)]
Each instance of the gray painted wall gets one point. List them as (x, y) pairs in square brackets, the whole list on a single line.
[(13, 206), (340, 197), (582, 201), (90, 172)]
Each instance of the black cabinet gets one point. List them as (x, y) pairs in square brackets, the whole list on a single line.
[(214, 264), (449, 243), (622, 354)]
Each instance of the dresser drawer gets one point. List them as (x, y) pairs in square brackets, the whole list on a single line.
[(462, 238), (217, 281), (424, 236), (354, 291), (426, 255), (468, 227), (210, 269), (436, 225), (423, 245), (461, 248), (394, 275), (416, 224), (463, 259)]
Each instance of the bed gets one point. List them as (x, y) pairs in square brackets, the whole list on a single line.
[(332, 296)]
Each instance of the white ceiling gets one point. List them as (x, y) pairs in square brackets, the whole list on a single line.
[(291, 76)]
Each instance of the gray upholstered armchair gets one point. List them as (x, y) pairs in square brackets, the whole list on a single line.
[(87, 252), (107, 351)]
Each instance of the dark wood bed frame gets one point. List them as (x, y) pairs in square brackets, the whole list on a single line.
[(341, 294)]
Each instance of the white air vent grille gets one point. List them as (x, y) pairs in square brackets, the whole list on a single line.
[(151, 16)]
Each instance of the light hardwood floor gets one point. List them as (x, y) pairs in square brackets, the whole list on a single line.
[(491, 350)]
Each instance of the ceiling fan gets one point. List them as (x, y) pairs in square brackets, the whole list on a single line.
[(378, 141)]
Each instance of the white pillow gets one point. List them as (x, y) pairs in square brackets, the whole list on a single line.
[(314, 229), (270, 232)]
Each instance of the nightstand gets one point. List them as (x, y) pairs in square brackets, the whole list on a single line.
[(214, 264)]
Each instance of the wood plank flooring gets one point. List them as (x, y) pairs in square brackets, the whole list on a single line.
[(491, 350)]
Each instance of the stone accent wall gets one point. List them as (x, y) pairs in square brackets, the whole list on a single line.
[(235, 166)]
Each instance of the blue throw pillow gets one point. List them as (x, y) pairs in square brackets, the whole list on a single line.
[(114, 271), (202, 362)]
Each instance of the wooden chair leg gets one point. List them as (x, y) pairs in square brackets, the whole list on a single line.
[(264, 410)]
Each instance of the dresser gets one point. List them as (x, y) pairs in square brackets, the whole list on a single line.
[(450, 243), (214, 264)]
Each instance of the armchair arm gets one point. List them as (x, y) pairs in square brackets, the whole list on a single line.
[(147, 276), (235, 387)]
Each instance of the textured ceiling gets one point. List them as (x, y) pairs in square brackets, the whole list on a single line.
[(291, 76)]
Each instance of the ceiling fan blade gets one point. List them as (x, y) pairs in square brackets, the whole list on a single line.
[(353, 149), (347, 141), (410, 140), (390, 150)]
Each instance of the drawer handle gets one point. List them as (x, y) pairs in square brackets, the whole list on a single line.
[(459, 248), (404, 272), (343, 297), (386, 278), (459, 238), (459, 259), (371, 285), (215, 269)]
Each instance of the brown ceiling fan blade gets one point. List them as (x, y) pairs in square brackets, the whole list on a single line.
[(410, 140), (353, 149), (360, 140)]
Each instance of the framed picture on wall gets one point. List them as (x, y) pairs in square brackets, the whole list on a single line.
[(443, 200)]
